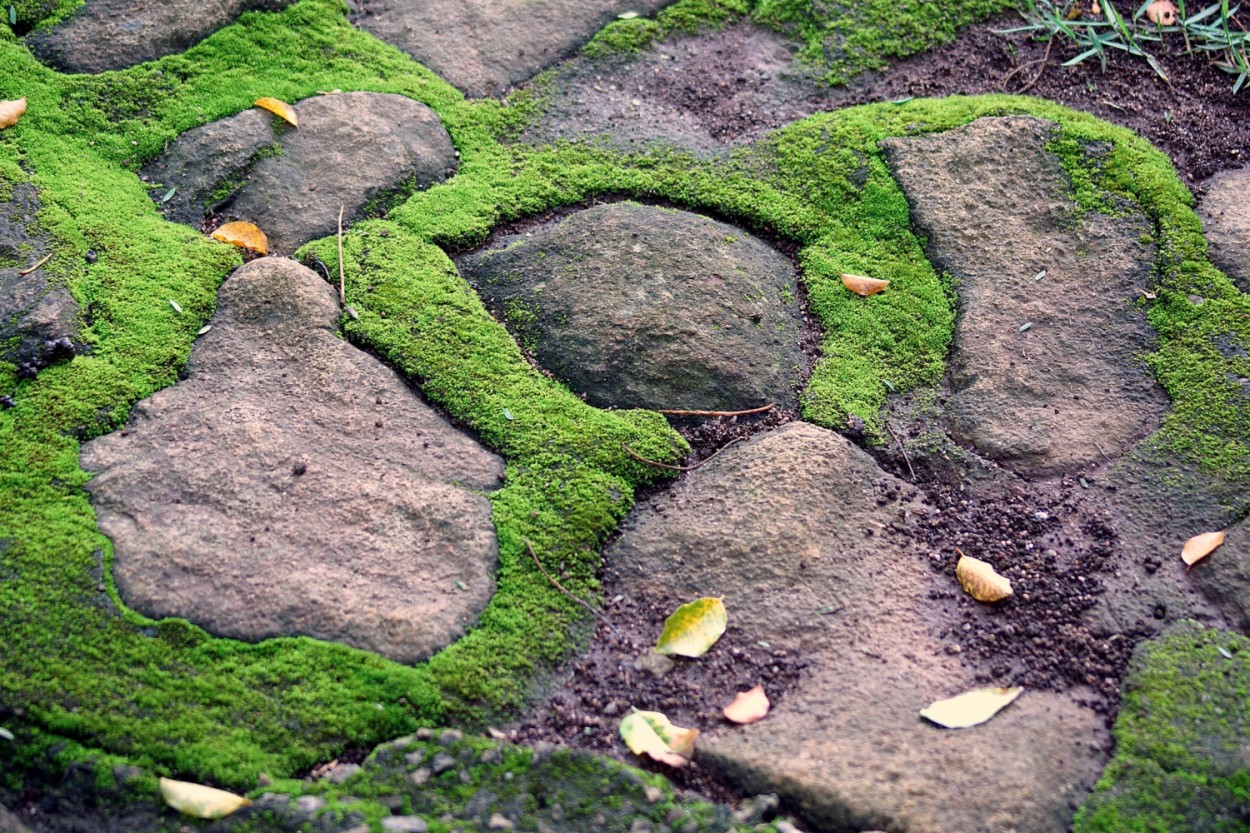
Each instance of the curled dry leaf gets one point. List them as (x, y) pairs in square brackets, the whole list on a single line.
[(651, 733), (971, 708), (279, 108), (863, 286), (748, 707), (693, 628), (243, 235), (1200, 546), (1162, 12), (199, 801), (11, 111), (980, 581)]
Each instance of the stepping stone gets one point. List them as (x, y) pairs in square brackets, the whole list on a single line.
[(114, 34), (799, 520), (641, 307), (38, 321), (350, 149), (1046, 372), (1225, 214), (1224, 576), (295, 485), (483, 47)]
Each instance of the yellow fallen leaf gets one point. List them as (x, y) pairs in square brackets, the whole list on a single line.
[(693, 628), (980, 581), (243, 235), (972, 708), (651, 733), (1200, 546), (11, 111), (1162, 12), (279, 108), (748, 707), (863, 286), (199, 801)]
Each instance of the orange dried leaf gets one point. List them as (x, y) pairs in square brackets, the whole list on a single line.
[(1200, 546), (11, 111), (1162, 13), (863, 286), (748, 707), (279, 108), (979, 579), (243, 235)]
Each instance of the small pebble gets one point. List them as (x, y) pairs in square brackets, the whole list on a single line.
[(500, 822)]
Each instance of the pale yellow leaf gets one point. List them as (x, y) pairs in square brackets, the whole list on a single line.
[(1162, 12), (199, 801), (693, 628), (980, 580), (1200, 546), (972, 708), (863, 286), (11, 111), (651, 733), (243, 235), (748, 707), (279, 108)]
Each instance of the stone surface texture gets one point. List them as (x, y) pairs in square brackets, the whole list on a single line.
[(1225, 213), (114, 34), (294, 485), (635, 306), (349, 149), (1224, 576), (1046, 373), (798, 520), (483, 47)]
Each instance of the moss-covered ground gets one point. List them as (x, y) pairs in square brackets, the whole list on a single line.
[(83, 676)]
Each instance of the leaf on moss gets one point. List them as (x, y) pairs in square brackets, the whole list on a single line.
[(1200, 546), (243, 235), (748, 707), (980, 580), (971, 708), (279, 108), (11, 111), (863, 286), (652, 734), (627, 15), (693, 628), (199, 801)]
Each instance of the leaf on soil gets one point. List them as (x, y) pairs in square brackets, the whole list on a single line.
[(243, 235), (199, 801), (279, 108), (11, 111), (980, 580), (863, 286), (693, 628), (748, 707), (651, 733), (1200, 546), (1162, 12), (971, 708)]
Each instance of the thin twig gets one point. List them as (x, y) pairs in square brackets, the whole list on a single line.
[(760, 410), (660, 465), (1040, 69), (901, 450), (27, 271), (557, 585), (342, 282), (1103, 453)]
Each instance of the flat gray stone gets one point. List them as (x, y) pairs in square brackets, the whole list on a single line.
[(1071, 389), (1224, 576), (114, 34), (350, 149), (798, 520), (1225, 213), (641, 307), (404, 824), (483, 47), (295, 485)]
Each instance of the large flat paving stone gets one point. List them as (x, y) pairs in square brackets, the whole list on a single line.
[(799, 520), (292, 484), (1225, 213), (1046, 371)]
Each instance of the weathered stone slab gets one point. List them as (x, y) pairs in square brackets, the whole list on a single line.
[(635, 306), (350, 149), (1046, 372), (1225, 213), (295, 485), (799, 520), (1224, 576)]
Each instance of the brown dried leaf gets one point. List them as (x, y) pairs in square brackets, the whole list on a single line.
[(1200, 546), (279, 108), (980, 580), (863, 286), (243, 235), (1162, 13), (748, 707), (11, 111)]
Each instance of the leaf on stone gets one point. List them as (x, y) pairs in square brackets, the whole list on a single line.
[(693, 628), (651, 733), (863, 286), (279, 108), (199, 801), (243, 235), (1162, 12), (11, 111), (980, 580), (748, 707), (971, 708), (1200, 546)]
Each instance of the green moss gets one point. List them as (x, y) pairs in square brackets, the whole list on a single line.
[(37, 14), (686, 17)]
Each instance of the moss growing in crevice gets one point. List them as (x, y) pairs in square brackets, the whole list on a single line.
[(685, 17)]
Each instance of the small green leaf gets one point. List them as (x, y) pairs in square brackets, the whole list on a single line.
[(12, 15), (204, 330), (693, 628), (627, 15), (6, 734), (168, 195), (508, 415), (1028, 325), (903, 100), (651, 733), (174, 304)]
